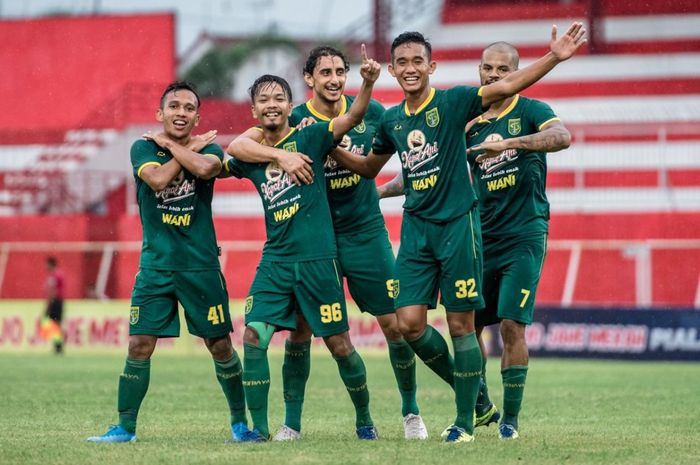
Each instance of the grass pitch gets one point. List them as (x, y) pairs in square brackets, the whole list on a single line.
[(575, 412)]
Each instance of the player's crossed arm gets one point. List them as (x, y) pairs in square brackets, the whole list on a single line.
[(552, 137), (204, 167)]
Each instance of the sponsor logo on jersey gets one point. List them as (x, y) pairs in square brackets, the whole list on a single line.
[(285, 213), (501, 183), (160, 153), (278, 182), (345, 182), (419, 152), (514, 127), (492, 164), (360, 128), (178, 189), (134, 315), (432, 118), (332, 168), (176, 220), (425, 183)]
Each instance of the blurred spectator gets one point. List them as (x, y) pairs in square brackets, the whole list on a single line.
[(54, 304)]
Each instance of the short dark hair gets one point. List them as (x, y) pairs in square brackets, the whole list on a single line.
[(179, 85), (323, 51), (411, 38), (269, 79), (51, 261)]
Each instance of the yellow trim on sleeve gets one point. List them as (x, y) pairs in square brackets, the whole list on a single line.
[(321, 116), (479, 92), (226, 166), (510, 107), (330, 125), (212, 155), (550, 120), (138, 173), (422, 105)]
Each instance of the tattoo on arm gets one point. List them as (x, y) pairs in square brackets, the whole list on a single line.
[(393, 188), (549, 140)]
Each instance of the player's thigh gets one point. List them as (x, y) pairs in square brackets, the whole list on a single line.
[(319, 292), (521, 275), (204, 298), (271, 298), (367, 262), (417, 269), (457, 245), (154, 310)]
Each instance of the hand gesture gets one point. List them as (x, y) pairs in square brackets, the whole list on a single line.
[(160, 139), (308, 121), (370, 69), (298, 167), (200, 141), (490, 148), (565, 46)]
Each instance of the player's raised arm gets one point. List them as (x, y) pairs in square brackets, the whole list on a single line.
[(247, 148), (560, 49), (369, 70), (552, 138), (203, 166)]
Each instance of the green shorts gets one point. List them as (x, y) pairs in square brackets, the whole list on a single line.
[(444, 257), (512, 269), (202, 294), (367, 262), (314, 287)]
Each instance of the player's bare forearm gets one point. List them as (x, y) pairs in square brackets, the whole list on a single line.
[(393, 188), (251, 151), (204, 166), (367, 167), (158, 177), (552, 139), (561, 49)]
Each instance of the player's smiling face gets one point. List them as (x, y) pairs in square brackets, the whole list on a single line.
[(179, 114), (495, 65), (411, 67), (328, 79), (272, 106)]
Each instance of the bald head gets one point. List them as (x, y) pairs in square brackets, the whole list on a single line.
[(506, 49), (498, 60)]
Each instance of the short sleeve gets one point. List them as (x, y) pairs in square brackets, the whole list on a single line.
[(540, 114), (235, 167), (145, 153), (319, 138), (465, 102), (214, 150)]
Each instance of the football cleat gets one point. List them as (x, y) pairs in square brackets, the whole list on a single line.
[(457, 434), (414, 428), (252, 436), (287, 434), (507, 432), (490, 416), (239, 431), (367, 433), (115, 433)]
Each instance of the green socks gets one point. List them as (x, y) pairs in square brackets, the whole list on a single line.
[(229, 373), (482, 401), (352, 371), (295, 374), (514, 378), (432, 349), (133, 384), (403, 361), (467, 376), (256, 384)]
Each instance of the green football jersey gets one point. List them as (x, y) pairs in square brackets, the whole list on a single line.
[(297, 218), (353, 199), (431, 145), (178, 230), (511, 186)]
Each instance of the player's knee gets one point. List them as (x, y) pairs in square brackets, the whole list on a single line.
[(258, 334), (301, 334), (512, 332), (141, 347), (220, 347), (339, 345), (390, 327)]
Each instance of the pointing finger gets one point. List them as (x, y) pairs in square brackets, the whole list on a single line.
[(363, 52)]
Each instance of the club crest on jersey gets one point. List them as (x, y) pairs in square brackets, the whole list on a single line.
[(392, 287), (514, 126), (361, 127), (134, 315), (432, 117), (290, 146), (248, 304)]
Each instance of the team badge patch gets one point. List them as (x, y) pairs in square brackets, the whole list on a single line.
[(248, 304), (392, 287), (361, 127), (514, 126), (134, 315), (432, 117), (290, 146)]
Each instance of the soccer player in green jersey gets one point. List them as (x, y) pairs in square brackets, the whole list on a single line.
[(174, 174), (436, 255), (364, 251), (299, 267)]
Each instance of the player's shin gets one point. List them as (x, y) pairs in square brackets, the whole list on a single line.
[(432, 349), (467, 379), (352, 371), (514, 378), (403, 361), (133, 385), (229, 374), (295, 374), (256, 384)]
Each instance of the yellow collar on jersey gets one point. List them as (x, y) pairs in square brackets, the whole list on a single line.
[(422, 106), (320, 116)]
